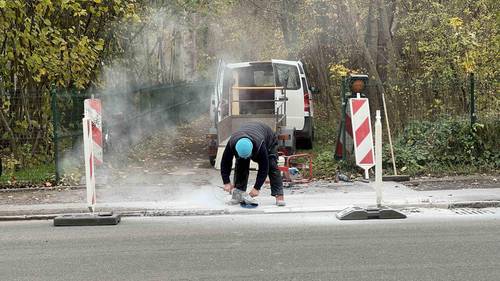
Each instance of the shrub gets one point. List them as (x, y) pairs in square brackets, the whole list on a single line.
[(447, 146)]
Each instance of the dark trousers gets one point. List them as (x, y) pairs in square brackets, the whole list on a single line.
[(242, 167)]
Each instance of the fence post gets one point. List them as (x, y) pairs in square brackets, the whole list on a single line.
[(55, 125), (343, 125), (75, 116), (473, 117)]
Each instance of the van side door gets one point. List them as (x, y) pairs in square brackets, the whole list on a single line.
[(287, 76)]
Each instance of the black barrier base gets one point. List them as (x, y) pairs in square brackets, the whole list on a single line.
[(87, 219), (358, 213)]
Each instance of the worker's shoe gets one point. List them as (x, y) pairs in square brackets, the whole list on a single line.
[(247, 199), (280, 201)]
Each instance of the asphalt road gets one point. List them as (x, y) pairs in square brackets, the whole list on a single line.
[(426, 246)]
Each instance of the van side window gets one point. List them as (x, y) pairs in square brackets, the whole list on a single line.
[(287, 76), (260, 75)]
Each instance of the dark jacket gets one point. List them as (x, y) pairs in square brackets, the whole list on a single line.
[(263, 140)]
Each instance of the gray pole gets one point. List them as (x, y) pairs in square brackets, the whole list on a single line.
[(55, 125), (473, 117), (343, 125)]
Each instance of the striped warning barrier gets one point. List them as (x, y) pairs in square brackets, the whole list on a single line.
[(362, 133), (93, 111)]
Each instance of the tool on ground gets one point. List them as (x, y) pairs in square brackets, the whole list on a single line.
[(341, 177), (242, 198), (248, 206), (296, 168)]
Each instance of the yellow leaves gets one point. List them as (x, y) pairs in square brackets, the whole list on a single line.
[(22, 124), (47, 43), (6, 104), (456, 22), (99, 45), (337, 71), (469, 63), (43, 71), (80, 13), (136, 18)]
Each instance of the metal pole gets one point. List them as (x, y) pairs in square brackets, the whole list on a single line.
[(88, 148), (343, 125), (389, 135), (55, 125), (378, 158), (473, 117)]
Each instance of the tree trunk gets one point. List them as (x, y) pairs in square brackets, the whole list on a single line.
[(352, 21), (392, 59), (372, 41), (288, 25)]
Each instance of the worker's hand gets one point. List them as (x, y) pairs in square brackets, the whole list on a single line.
[(228, 187), (254, 192)]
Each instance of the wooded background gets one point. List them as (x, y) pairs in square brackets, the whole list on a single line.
[(420, 53)]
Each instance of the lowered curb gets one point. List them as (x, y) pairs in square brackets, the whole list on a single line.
[(51, 214), (475, 204)]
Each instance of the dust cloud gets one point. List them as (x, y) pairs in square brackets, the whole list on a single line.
[(141, 127)]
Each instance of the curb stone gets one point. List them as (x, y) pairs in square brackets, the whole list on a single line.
[(178, 213)]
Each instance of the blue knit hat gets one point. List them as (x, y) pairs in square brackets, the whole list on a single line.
[(244, 148)]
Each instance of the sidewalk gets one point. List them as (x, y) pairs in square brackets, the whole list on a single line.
[(211, 200)]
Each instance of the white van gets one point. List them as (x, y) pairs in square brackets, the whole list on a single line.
[(253, 88)]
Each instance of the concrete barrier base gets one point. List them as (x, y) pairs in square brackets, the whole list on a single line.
[(87, 219)]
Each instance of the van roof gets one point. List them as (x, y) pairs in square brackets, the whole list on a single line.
[(248, 63)]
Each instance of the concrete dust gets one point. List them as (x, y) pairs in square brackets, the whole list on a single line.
[(170, 167), (206, 196)]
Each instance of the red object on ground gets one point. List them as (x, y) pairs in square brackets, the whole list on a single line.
[(303, 165)]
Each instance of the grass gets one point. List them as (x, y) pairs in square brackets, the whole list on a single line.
[(33, 175)]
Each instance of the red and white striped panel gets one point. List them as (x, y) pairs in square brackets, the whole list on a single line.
[(93, 110), (362, 128)]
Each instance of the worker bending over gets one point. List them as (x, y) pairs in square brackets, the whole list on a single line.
[(252, 141)]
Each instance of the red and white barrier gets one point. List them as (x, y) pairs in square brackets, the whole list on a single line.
[(362, 133), (93, 111), (88, 152)]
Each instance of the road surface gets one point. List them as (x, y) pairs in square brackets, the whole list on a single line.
[(430, 245)]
